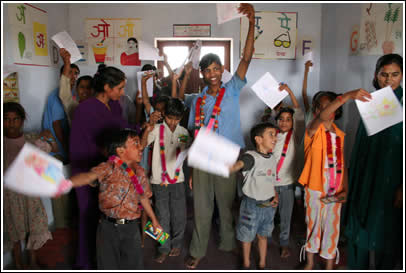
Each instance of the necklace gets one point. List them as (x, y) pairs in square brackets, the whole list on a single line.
[(283, 155), (334, 180), (165, 175), (129, 171), (199, 116)]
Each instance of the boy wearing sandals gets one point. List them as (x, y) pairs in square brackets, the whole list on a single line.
[(260, 199)]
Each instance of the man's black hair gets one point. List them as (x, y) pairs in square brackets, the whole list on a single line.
[(71, 66), (84, 78), (208, 59)]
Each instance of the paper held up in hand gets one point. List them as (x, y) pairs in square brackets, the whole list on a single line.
[(227, 12), (63, 40), (150, 83), (34, 173), (309, 57), (383, 111), (212, 153), (148, 52), (267, 89)]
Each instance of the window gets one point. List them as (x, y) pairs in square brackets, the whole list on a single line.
[(177, 49)]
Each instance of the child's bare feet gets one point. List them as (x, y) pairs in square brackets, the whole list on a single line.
[(285, 252), (161, 258), (175, 252), (308, 266)]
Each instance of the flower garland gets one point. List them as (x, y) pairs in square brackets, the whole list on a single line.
[(199, 115), (129, 171), (333, 185), (283, 155), (165, 175)]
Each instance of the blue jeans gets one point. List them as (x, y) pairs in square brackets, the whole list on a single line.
[(285, 208), (170, 209), (254, 220)]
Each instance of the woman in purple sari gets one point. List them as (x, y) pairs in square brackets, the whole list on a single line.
[(91, 119)]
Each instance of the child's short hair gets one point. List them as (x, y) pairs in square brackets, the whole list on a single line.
[(284, 110), (332, 96), (208, 59), (84, 78), (148, 67), (259, 129), (71, 66), (14, 107), (116, 138), (174, 107), (160, 99)]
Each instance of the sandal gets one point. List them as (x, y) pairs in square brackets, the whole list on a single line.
[(192, 262), (174, 252)]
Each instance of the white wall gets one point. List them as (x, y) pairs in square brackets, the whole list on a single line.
[(157, 21), (341, 72)]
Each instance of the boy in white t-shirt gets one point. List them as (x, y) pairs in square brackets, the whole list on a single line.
[(260, 199), (167, 182)]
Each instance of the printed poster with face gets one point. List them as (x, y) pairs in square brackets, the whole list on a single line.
[(29, 34), (275, 35), (113, 41)]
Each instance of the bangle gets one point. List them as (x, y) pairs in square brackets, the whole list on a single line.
[(340, 98)]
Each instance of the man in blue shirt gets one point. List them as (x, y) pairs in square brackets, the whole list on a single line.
[(209, 187), (55, 118)]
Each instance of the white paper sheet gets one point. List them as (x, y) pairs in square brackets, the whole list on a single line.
[(267, 89), (150, 84), (63, 40), (148, 52), (309, 57), (181, 157), (383, 111), (34, 173), (213, 153), (227, 12), (226, 77), (194, 55)]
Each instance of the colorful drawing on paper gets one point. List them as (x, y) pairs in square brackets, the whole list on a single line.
[(278, 27), (113, 41), (28, 34), (10, 88), (381, 29), (43, 168), (386, 107)]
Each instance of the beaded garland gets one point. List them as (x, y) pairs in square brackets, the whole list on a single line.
[(165, 175), (333, 185), (284, 150), (129, 171), (199, 116)]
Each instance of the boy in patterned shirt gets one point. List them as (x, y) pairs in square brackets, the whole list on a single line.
[(121, 189)]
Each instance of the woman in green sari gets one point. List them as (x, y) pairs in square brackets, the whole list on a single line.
[(375, 203)]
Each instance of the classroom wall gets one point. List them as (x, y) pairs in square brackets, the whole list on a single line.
[(157, 21), (340, 71)]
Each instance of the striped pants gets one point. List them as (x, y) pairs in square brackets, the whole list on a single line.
[(323, 225)]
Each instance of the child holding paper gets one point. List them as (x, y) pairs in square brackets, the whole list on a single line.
[(218, 107), (23, 214), (260, 199), (169, 140), (118, 241), (291, 126), (324, 176)]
